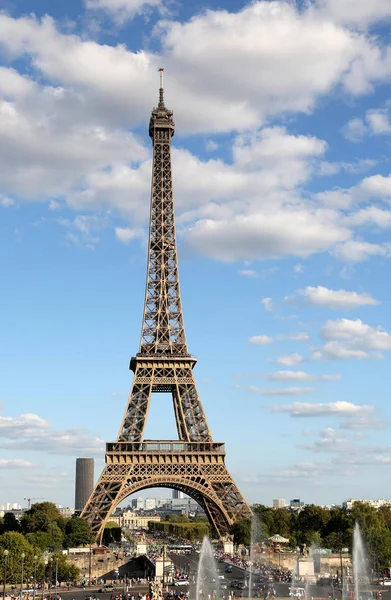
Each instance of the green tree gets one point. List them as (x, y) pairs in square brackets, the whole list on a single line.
[(40, 517), (281, 522), (378, 544), (366, 516), (77, 532), (66, 571), (10, 523), (311, 523), (40, 539), (16, 544), (241, 531)]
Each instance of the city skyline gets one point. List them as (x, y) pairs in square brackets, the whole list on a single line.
[(282, 192)]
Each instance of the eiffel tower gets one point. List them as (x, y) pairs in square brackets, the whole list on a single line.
[(194, 464)]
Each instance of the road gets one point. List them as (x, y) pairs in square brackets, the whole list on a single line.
[(190, 564)]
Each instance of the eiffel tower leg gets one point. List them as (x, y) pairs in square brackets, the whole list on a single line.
[(188, 404), (133, 424)]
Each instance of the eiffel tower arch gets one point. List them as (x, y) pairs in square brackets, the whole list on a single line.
[(193, 464)]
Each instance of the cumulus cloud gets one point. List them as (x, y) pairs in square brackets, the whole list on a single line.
[(339, 408), (248, 273), (260, 340), (31, 432), (268, 304), (330, 440), (322, 296), (66, 134), (290, 360), (291, 391), (376, 121), (127, 234), (356, 12), (301, 376), (14, 464), (352, 340), (358, 251), (300, 337), (292, 376), (124, 10)]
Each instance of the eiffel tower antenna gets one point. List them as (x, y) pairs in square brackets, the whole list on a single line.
[(161, 89), (193, 464)]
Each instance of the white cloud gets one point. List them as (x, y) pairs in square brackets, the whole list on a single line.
[(322, 296), (267, 234), (358, 251), (31, 432), (289, 360), (301, 376), (71, 138), (123, 10), (331, 377), (330, 441), (352, 340), (378, 121), (14, 464), (370, 215), (363, 422), (300, 337), (356, 12), (298, 268), (291, 391), (6, 202), (211, 146), (268, 304), (260, 340), (355, 130), (339, 408), (292, 376), (126, 234), (248, 273)]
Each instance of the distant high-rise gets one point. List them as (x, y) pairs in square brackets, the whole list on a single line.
[(84, 483), (279, 503), (177, 494)]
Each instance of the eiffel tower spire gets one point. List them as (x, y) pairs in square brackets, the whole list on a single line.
[(163, 331), (194, 464)]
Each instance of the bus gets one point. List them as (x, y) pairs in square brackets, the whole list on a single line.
[(181, 549)]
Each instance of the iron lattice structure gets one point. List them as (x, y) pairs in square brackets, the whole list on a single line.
[(195, 464)]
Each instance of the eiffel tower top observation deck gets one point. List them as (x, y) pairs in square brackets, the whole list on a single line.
[(163, 331)]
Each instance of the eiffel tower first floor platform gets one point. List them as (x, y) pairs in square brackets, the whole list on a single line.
[(195, 468)]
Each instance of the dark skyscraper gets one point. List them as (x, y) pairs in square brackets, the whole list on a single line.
[(84, 483), (176, 494)]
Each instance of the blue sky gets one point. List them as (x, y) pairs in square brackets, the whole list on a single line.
[(282, 189)]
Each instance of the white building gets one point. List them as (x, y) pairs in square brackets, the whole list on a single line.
[(348, 504), (150, 504), (132, 520), (279, 503)]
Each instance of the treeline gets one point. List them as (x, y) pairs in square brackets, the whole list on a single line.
[(181, 527), (325, 528), (45, 528), (41, 535)]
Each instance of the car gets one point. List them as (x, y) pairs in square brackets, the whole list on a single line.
[(181, 582), (221, 577), (297, 593), (228, 569), (240, 585), (106, 588), (223, 586)]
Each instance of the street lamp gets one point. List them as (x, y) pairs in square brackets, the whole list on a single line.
[(50, 577), (35, 575), (5, 554), (23, 556), (56, 575)]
